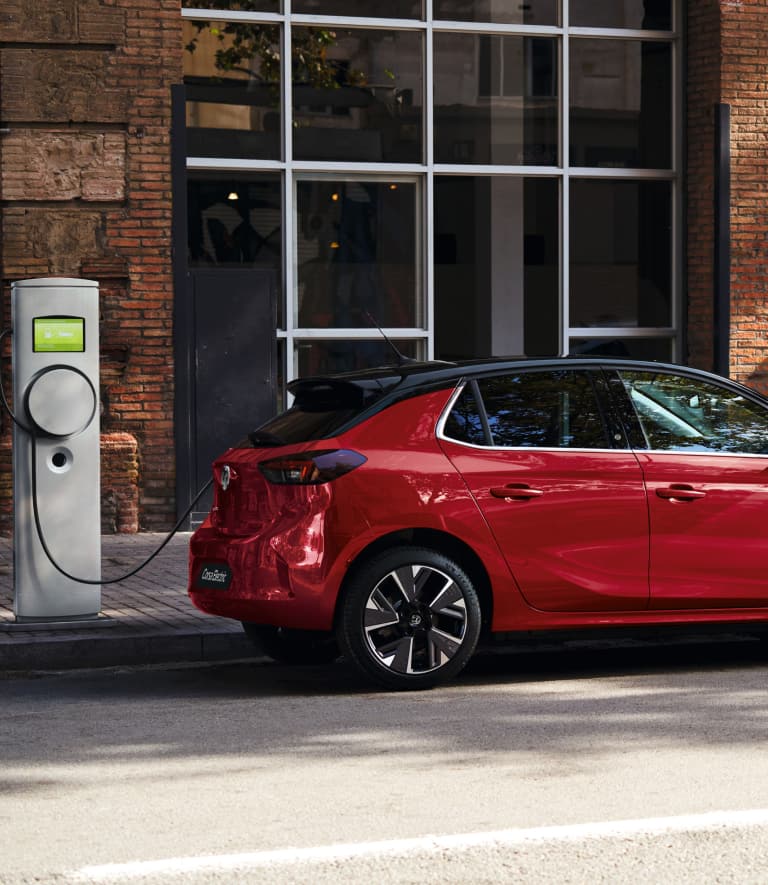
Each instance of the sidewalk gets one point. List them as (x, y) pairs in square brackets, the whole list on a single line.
[(147, 619)]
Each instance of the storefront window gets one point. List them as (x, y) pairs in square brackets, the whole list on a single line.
[(357, 95), (655, 349), (232, 78), (620, 110), (368, 8), (330, 357), (496, 266), (316, 167), (234, 221), (496, 99), (621, 254), (534, 12), (653, 15), (357, 261), (236, 5)]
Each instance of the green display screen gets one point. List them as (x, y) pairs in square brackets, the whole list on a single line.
[(58, 334)]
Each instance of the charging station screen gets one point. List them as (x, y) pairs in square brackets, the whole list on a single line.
[(58, 334)]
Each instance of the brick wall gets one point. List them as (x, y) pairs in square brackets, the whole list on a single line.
[(745, 88), (727, 61), (85, 191)]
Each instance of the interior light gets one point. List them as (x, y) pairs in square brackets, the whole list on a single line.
[(233, 195), (393, 187), (334, 245), (335, 198)]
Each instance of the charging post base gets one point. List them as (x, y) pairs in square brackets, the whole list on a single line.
[(56, 456)]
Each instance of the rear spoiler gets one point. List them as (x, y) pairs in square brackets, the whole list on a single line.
[(327, 393)]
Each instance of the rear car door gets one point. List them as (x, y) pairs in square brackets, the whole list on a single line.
[(703, 448), (562, 493)]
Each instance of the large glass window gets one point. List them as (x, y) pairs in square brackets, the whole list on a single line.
[(234, 221), (232, 75), (357, 95), (652, 15), (620, 111), (356, 256), (236, 5), (533, 12), (621, 253), (496, 266), (368, 8), (516, 221), (345, 355), (495, 99)]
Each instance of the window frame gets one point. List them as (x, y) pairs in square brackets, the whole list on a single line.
[(427, 169)]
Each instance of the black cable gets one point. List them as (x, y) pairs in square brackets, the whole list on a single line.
[(36, 512)]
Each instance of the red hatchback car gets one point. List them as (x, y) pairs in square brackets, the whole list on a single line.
[(401, 514)]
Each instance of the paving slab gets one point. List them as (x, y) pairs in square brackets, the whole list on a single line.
[(146, 619)]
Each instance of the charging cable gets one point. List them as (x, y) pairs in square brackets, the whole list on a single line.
[(33, 435)]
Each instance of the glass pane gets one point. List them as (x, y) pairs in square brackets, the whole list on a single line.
[(372, 8), (356, 254), (495, 99), (496, 266), (465, 423), (657, 349), (234, 220), (533, 12), (682, 414), (235, 5), (654, 15), (620, 113), (357, 95), (621, 253), (332, 357), (544, 409), (232, 75)]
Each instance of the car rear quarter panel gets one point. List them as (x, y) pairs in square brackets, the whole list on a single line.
[(288, 570)]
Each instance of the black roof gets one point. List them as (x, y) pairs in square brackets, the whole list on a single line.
[(385, 384), (437, 373)]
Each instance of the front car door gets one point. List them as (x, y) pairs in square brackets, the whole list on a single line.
[(563, 495), (703, 448)]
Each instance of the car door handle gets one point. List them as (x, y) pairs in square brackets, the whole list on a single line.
[(680, 492), (518, 491)]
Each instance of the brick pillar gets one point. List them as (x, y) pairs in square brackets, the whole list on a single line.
[(85, 187), (728, 62)]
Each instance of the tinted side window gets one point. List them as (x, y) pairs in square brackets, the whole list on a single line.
[(552, 409), (684, 414), (464, 422)]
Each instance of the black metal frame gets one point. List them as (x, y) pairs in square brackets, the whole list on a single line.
[(721, 313), (183, 320)]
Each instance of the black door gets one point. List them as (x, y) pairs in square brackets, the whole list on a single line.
[(231, 370)]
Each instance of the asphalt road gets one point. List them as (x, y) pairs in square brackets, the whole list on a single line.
[(619, 764)]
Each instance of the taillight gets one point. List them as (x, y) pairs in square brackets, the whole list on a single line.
[(311, 468)]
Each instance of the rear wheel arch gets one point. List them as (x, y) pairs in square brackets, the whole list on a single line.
[(441, 542)]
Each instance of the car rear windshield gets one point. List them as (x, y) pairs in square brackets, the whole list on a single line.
[(298, 425)]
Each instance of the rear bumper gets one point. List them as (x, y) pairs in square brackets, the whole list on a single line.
[(264, 584)]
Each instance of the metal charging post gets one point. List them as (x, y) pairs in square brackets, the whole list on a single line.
[(56, 452)]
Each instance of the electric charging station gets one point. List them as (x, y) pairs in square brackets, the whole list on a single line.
[(56, 455)]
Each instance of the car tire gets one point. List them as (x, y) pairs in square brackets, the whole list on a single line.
[(410, 619), (294, 647)]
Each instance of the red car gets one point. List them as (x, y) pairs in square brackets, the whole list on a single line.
[(400, 515)]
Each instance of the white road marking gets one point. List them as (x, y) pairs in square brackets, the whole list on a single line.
[(653, 826)]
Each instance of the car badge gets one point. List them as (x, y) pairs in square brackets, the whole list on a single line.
[(226, 475)]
